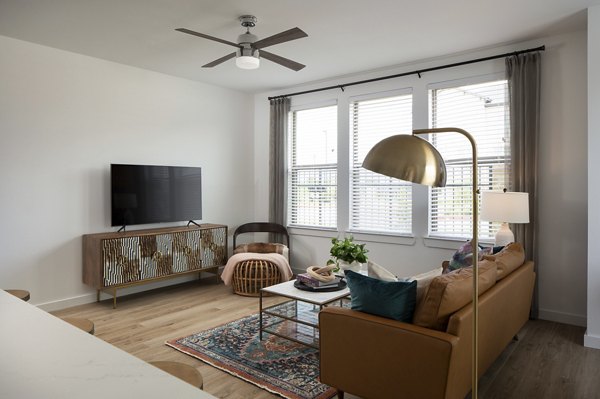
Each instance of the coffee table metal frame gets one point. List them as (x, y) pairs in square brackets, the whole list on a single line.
[(287, 290)]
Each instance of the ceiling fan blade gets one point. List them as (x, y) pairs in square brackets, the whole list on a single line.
[(281, 60), (292, 34), (219, 61), (216, 39)]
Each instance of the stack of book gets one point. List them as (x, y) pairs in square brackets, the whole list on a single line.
[(310, 281)]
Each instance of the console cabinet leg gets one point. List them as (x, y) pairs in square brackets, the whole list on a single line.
[(97, 295), (115, 298), (340, 394)]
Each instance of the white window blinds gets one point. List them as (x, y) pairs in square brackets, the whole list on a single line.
[(482, 110), (312, 199), (378, 203)]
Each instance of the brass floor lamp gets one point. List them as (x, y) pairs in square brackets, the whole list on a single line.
[(413, 159)]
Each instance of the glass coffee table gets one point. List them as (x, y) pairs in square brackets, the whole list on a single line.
[(297, 319)]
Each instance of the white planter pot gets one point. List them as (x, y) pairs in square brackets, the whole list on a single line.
[(354, 266)]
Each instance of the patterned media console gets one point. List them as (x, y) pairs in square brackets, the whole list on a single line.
[(118, 260)]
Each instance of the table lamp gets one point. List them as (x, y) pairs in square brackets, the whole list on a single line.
[(506, 207), (411, 158)]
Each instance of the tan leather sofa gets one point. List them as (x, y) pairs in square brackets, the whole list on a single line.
[(375, 357)]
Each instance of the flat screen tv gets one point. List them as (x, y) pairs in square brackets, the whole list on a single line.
[(142, 194)]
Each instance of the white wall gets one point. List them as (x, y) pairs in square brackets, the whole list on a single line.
[(592, 338), (64, 118), (563, 181), (563, 174)]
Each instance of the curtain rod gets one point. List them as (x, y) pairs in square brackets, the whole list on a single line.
[(416, 72)]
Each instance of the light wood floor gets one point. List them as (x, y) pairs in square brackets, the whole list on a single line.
[(548, 361)]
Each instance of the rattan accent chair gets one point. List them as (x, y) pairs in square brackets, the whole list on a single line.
[(251, 275)]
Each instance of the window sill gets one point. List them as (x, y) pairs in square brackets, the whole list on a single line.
[(384, 238), (449, 243), (312, 232), (358, 236), (430, 242)]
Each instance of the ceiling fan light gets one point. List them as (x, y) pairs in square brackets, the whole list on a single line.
[(247, 62)]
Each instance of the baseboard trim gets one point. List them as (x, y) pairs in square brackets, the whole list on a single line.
[(65, 303), (562, 317), (591, 341)]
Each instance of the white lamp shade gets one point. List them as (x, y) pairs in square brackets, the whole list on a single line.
[(510, 207), (247, 62)]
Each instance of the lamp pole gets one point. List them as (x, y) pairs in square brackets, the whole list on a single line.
[(411, 158), (474, 245)]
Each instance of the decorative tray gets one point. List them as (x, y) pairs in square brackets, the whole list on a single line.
[(301, 286)]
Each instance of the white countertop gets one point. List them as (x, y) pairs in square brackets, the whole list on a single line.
[(44, 357)]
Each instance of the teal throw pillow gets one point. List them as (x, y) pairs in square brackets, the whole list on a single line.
[(392, 299)]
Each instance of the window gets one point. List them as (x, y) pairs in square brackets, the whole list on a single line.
[(482, 110), (329, 190), (378, 203), (312, 179)]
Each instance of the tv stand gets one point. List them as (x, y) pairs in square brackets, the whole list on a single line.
[(122, 228), (194, 223), (116, 260)]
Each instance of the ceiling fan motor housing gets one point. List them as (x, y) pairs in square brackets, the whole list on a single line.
[(247, 38), (248, 52)]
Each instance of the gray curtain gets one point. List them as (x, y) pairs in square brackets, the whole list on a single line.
[(280, 108), (523, 73)]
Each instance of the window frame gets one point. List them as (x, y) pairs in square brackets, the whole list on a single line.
[(293, 109), (374, 95), (440, 240), (479, 73)]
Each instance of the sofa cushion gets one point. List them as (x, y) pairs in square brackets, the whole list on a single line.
[(379, 272), (392, 299), (450, 292), (508, 259), (423, 282)]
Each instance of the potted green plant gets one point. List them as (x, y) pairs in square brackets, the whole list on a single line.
[(346, 254)]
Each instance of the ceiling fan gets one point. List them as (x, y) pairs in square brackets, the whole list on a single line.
[(248, 54)]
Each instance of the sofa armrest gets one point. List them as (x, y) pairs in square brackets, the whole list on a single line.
[(375, 357)]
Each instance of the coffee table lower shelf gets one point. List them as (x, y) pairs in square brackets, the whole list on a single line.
[(296, 320)]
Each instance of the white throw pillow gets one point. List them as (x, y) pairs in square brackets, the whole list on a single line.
[(423, 281), (379, 272)]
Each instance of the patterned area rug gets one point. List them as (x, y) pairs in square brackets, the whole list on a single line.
[(275, 364)]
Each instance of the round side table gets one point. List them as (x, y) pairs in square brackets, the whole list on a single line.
[(81, 323), (21, 294), (181, 371)]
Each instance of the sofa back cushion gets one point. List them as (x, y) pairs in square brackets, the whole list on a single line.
[(424, 281), (450, 292), (508, 259)]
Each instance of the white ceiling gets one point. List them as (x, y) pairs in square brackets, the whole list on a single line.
[(344, 36)]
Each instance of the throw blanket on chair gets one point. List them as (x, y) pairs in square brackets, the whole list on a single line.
[(263, 248), (279, 260)]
